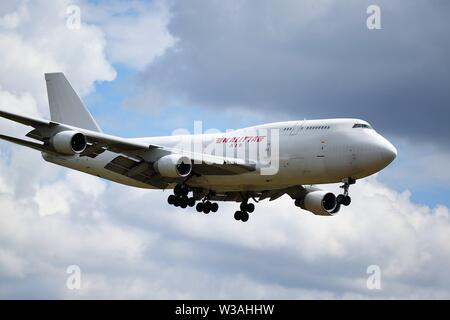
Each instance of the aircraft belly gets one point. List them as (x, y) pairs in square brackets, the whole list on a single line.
[(247, 181)]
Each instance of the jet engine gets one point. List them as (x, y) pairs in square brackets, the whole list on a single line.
[(319, 202), (173, 166), (69, 142)]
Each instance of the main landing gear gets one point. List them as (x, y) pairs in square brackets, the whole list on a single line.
[(243, 214), (207, 207), (345, 199), (180, 198)]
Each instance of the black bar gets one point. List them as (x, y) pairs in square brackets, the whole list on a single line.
[(222, 309)]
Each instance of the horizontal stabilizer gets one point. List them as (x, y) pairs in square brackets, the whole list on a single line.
[(29, 144), (29, 121)]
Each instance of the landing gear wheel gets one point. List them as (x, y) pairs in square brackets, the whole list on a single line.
[(340, 199), (181, 190), (343, 199), (237, 215), (207, 207), (199, 207), (177, 201), (346, 201), (214, 207), (177, 190), (244, 217), (183, 202), (171, 199), (247, 207), (191, 202)]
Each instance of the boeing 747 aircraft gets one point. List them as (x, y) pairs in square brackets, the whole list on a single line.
[(246, 165)]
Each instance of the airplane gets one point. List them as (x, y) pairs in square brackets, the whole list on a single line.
[(220, 166)]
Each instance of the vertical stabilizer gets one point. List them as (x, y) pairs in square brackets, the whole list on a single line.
[(65, 105)]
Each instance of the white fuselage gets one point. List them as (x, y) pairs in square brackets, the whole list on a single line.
[(304, 152)]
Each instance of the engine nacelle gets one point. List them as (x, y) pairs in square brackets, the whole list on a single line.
[(69, 142), (173, 166), (322, 203)]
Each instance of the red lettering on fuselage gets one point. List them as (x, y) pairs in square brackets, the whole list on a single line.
[(240, 139)]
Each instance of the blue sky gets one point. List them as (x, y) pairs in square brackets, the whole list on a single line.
[(424, 190), (107, 104)]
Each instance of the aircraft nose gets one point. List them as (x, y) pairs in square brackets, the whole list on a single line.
[(387, 152), (377, 153)]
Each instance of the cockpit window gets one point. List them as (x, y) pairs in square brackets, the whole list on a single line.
[(362, 125)]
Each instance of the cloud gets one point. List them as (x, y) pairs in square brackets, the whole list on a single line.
[(130, 244), (66, 190), (425, 161), (35, 39), (309, 59), (22, 103), (136, 31)]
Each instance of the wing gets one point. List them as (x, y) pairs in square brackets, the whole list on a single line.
[(29, 144), (97, 142), (134, 158)]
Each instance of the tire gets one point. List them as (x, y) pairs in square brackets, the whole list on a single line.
[(184, 202), (237, 215), (191, 202), (177, 190), (340, 198), (243, 206), (184, 191), (176, 201), (250, 207), (244, 217), (171, 199), (347, 200), (207, 207), (199, 207), (214, 207)]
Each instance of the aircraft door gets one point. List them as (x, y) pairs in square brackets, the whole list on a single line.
[(295, 129)]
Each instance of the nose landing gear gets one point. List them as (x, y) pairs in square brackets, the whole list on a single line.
[(344, 198)]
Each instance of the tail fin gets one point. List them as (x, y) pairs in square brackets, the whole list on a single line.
[(65, 105)]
